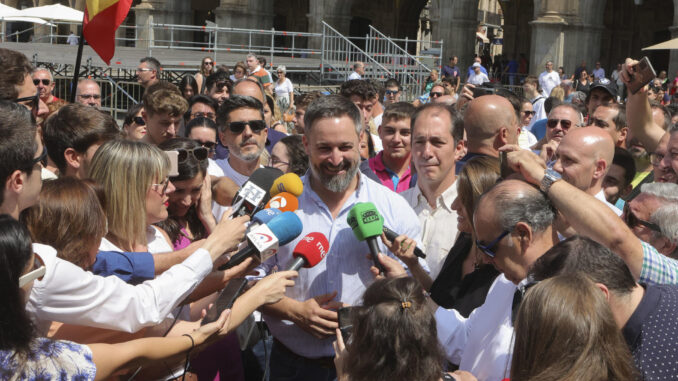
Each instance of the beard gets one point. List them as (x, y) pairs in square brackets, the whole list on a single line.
[(336, 183), (251, 156)]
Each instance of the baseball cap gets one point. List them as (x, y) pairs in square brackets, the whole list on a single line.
[(606, 85), (476, 64)]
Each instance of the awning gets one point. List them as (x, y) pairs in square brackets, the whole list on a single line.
[(33, 20), (666, 45), (53, 12), (482, 37)]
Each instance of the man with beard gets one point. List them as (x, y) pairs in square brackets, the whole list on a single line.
[(303, 323), (242, 130)]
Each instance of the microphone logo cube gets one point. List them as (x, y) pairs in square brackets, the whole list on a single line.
[(252, 193), (264, 240)]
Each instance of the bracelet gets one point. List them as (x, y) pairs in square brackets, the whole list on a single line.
[(192, 342)]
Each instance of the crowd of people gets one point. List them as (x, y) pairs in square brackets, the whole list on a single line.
[(536, 235)]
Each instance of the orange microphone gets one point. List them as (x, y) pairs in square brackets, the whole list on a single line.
[(284, 201)]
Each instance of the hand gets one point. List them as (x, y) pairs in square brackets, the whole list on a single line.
[(527, 163), (627, 71), (340, 354), (462, 375), (219, 327), (466, 95), (205, 205), (226, 235), (272, 288), (403, 248), (548, 150), (316, 317), (393, 268)]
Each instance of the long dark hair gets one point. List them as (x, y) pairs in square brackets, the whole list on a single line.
[(394, 335), (188, 169), (15, 252), (190, 81)]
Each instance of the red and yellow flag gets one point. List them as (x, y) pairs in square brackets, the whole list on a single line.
[(102, 19)]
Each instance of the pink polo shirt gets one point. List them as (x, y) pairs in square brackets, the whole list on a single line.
[(388, 177)]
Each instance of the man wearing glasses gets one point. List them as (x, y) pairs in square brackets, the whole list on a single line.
[(148, 71), (88, 93), (242, 130), (652, 216), (17, 84), (43, 80), (561, 120)]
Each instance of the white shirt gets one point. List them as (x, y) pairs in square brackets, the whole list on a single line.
[(601, 196), (157, 243), (213, 169), (539, 111), (526, 139), (481, 344), (354, 75), (72, 295), (439, 225), (478, 79), (283, 90), (548, 81)]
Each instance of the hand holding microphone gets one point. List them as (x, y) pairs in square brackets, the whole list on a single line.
[(309, 251), (367, 225)]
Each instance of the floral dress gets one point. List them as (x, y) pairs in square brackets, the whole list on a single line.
[(49, 360)]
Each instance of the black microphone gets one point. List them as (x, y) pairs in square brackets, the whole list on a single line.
[(254, 194), (391, 235)]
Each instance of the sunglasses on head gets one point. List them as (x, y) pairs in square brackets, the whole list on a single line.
[(435, 94), (200, 153), (632, 221), (239, 127), (490, 247), (139, 121), (45, 82), (37, 273), (564, 123)]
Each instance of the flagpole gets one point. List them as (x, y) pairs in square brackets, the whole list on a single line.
[(78, 59)]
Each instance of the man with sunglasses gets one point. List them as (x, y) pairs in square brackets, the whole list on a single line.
[(647, 217), (242, 130), (561, 120), (392, 92), (16, 84), (88, 93), (43, 80)]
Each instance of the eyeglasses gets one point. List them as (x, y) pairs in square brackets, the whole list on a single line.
[(208, 115), (89, 96), (37, 273), (40, 159), (435, 94), (162, 186), (564, 123), (45, 82), (490, 247), (632, 221), (518, 297), (34, 104), (529, 113), (275, 161), (209, 145), (200, 153), (139, 121), (144, 69), (208, 63), (656, 158), (239, 127)]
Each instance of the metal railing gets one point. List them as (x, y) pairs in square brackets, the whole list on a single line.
[(116, 96)]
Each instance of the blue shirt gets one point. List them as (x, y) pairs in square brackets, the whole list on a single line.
[(133, 268), (346, 268)]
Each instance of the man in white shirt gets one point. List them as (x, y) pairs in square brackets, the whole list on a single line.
[(514, 227), (358, 71), (477, 77), (598, 72), (436, 139), (548, 79)]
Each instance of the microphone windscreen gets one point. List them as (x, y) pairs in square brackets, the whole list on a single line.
[(265, 215), (286, 227), (312, 248), (265, 177), (365, 220), (284, 201), (290, 183)]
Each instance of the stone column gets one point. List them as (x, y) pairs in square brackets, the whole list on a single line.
[(176, 12), (144, 18), (252, 14), (455, 23), (335, 13)]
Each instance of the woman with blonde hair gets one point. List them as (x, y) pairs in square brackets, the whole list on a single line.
[(565, 330), (205, 70), (558, 92), (134, 176)]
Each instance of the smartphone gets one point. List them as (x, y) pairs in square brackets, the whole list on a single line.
[(484, 89), (174, 163), (504, 169), (228, 295), (345, 322), (643, 73)]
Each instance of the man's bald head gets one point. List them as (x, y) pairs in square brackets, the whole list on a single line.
[(88, 93), (490, 122), (250, 87), (584, 157)]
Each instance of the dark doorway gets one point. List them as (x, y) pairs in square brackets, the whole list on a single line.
[(359, 27)]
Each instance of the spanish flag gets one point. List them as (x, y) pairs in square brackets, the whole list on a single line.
[(102, 19)]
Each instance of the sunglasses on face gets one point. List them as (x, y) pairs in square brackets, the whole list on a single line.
[(209, 145), (564, 123), (529, 113), (208, 115), (33, 102), (40, 159), (139, 121), (632, 221), (391, 92), (435, 94), (208, 63), (490, 247), (239, 127), (37, 273), (199, 153), (45, 82)]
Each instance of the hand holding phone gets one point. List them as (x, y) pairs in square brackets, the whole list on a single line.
[(642, 74)]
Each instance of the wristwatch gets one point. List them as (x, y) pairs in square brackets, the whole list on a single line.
[(550, 177)]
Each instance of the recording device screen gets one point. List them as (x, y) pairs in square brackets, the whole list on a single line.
[(345, 322), (233, 289)]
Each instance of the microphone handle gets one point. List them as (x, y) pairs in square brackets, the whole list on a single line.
[(374, 250), (238, 258), (298, 263), (391, 235)]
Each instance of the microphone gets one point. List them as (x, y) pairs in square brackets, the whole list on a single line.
[(283, 201), (264, 240), (289, 182), (391, 235), (309, 251), (367, 225), (254, 193), (263, 217)]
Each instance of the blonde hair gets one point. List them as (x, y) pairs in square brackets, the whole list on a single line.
[(558, 92), (127, 170)]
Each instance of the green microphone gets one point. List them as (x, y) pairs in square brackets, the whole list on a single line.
[(367, 225)]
